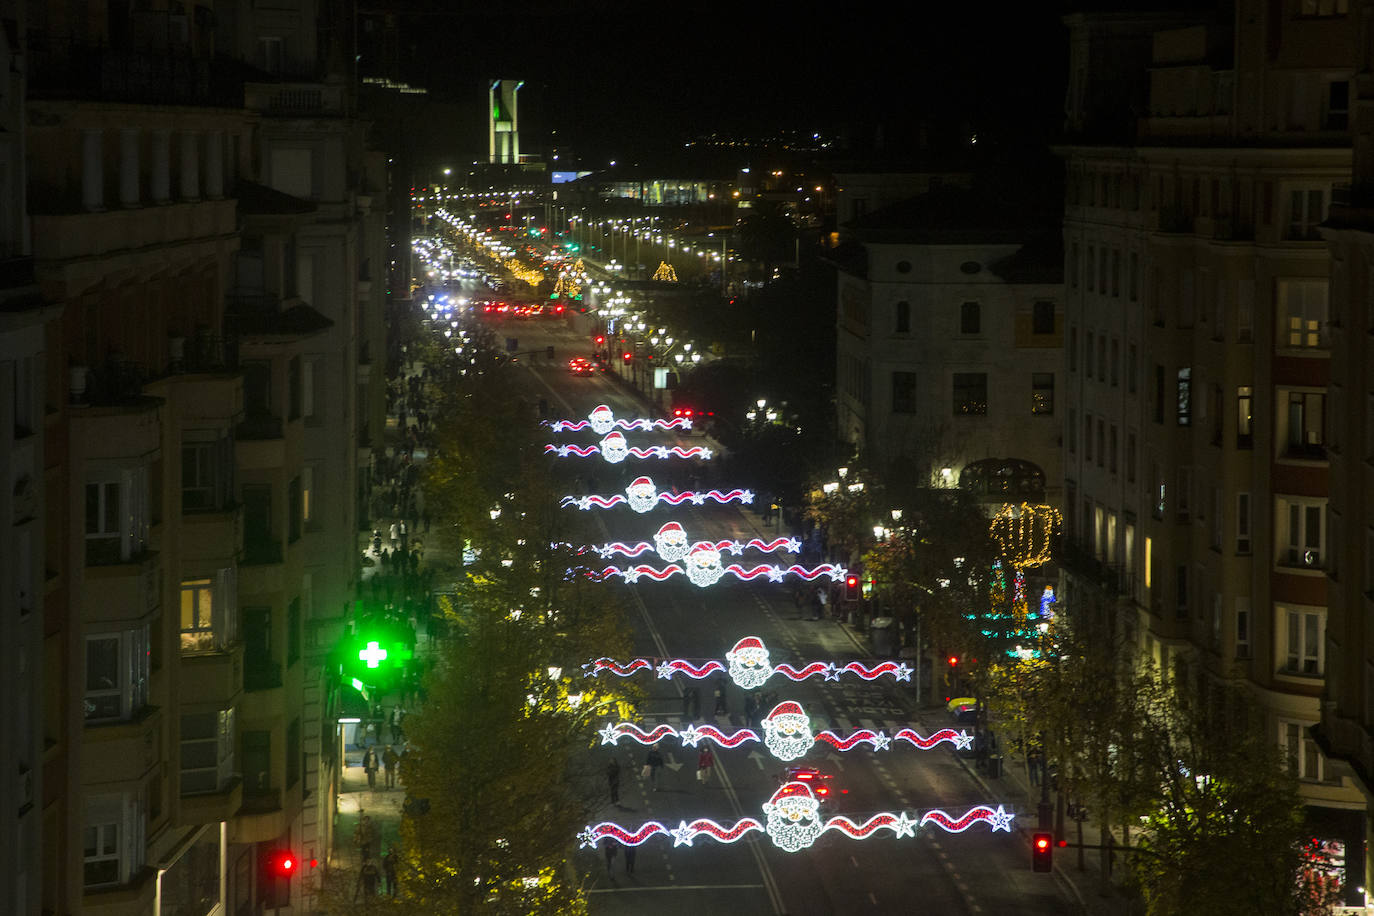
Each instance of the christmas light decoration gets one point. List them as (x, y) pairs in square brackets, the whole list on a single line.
[(665, 273), (749, 667), (786, 733), (704, 568), (793, 822), (614, 449), (1025, 534), (601, 421), (672, 545), (1047, 602), (641, 496)]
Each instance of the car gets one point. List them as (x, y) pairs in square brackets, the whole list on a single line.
[(579, 365), (964, 709), (819, 782)]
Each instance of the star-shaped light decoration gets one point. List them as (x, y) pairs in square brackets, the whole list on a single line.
[(590, 670), (963, 741), (747, 496), (690, 736), (586, 839), (880, 742), (706, 454), (610, 734), (1001, 819), (735, 548), (775, 574), (831, 672), (903, 672), (698, 499), (905, 826), (631, 575), (793, 545), (665, 671), (682, 834)]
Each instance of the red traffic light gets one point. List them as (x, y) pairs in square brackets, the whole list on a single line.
[(1042, 842), (627, 356), (953, 660), (600, 339), (1042, 852), (851, 582), (281, 863)]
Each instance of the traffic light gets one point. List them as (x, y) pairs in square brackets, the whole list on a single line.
[(851, 587), (627, 356), (953, 661), (1042, 852), (600, 339), (278, 867)]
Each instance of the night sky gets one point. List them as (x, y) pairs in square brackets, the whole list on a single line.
[(615, 78)]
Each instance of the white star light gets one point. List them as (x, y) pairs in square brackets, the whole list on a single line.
[(682, 834), (590, 670), (698, 499), (880, 742), (584, 503), (905, 826), (586, 839), (690, 736), (963, 741), (610, 734), (748, 496), (665, 671), (735, 548), (775, 574), (831, 672), (631, 575), (792, 546), (903, 672), (706, 454), (1001, 819)]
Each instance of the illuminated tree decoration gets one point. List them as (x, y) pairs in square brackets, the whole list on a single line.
[(642, 496), (786, 733), (665, 273), (1026, 533), (703, 567), (615, 449), (793, 822), (749, 667), (567, 286)]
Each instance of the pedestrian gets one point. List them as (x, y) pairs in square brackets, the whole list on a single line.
[(367, 881), (398, 716), (613, 780), (389, 870), (721, 709), (360, 839), (390, 763), (822, 599), (610, 847), (394, 532), (629, 860), (653, 763), (370, 766), (706, 761)]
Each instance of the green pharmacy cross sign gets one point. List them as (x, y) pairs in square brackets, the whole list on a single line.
[(374, 655)]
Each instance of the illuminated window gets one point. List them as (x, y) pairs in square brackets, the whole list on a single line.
[(970, 394)]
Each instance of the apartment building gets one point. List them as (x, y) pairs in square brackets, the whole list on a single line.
[(182, 400), (1199, 338), (950, 330)]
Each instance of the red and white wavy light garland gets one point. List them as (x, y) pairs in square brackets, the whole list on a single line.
[(666, 669), (649, 501), (900, 823), (617, 456), (694, 734), (734, 548), (774, 573), (638, 424)]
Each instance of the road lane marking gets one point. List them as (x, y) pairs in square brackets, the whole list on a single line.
[(675, 887)]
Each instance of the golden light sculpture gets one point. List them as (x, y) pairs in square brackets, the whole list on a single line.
[(1025, 533), (665, 273)]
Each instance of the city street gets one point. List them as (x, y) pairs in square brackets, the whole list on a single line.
[(975, 871)]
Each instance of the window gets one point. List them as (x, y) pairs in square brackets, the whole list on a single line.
[(1102, 270), (1183, 498), (1092, 269), (1217, 413), (293, 631), (101, 854), (902, 322), (1130, 369), (270, 53), (1337, 116), (1101, 440), (1111, 449), (293, 388), (1302, 533), (1042, 318), (1306, 423), (1306, 210), (257, 763), (1302, 635), (207, 465), (116, 675), (1305, 759), (117, 517), (293, 752), (970, 394), (308, 390), (1245, 405), (1089, 341), (1102, 358), (1133, 277), (1181, 591), (1185, 396), (904, 392), (1242, 628), (1242, 523), (1159, 393), (308, 496), (209, 612), (1303, 313), (970, 318), (294, 505), (1073, 349), (1325, 7), (1130, 457), (1073, 430), (1042, 393), (1087, 438), (1073, 265), (1116, 273), (207, 751), (1218, 518), (1116, 362), (257, 388)]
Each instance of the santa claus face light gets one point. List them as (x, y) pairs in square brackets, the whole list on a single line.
[(703, 565), (749, 666), (787, 731), (642, 494), (614, 448), (794, 821), (601, 419), (671, 542)]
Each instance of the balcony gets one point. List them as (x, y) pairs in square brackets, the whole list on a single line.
[(122, 590), (1112, 578), (258, 428), (211, 678), (294, 99), (213, 806), (68, 69)]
